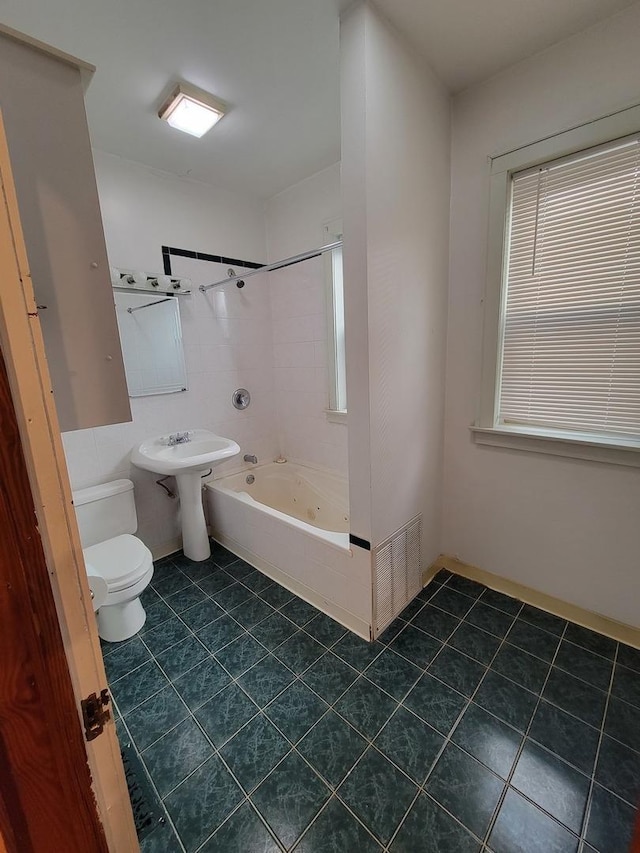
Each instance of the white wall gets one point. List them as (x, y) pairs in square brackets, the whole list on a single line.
[(227, 334), (294, 221), (396, 138), (354, 259), (566, 527)]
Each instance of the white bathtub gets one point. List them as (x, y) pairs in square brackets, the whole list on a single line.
[(307, 498), (292, 523)]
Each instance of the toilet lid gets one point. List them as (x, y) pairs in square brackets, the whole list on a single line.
[(121, 561)]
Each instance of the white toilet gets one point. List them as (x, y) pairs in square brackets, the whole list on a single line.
[(107, 519)]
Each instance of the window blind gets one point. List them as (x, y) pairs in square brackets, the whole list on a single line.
[(570, 348)]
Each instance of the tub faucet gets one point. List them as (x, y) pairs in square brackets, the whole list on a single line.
[(251, 457), (179, 438)]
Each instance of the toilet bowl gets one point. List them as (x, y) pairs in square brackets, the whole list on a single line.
[(107, 520), (126, 565)]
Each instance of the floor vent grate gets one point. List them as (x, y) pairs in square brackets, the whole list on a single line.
[(397, 573)]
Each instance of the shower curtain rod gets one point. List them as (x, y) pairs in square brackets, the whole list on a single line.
[(287, 262), (148, 305)]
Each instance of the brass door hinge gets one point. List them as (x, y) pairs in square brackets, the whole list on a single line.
[(95, 713)]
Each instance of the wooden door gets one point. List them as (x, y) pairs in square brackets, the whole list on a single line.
[(46, 801), (58, 792)]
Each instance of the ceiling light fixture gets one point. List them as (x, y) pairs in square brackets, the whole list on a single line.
[(191, 110)]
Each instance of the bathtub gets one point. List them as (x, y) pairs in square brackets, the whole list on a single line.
[(292, 523)]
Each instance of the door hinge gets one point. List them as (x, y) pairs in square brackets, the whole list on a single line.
[(95, 713)]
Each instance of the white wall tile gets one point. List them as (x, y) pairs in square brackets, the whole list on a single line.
[(269, 336), (294, 354), (227, 334), (295, 220)]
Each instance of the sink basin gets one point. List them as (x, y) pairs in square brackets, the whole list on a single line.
[(187, 462), (201, 452)]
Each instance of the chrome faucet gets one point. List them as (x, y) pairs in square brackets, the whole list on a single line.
[(251, 457), (179, 438)]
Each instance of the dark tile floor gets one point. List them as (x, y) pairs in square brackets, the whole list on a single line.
[(476, 723)]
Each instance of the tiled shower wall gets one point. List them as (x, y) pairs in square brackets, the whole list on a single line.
[(269, 337), (227, 335), (295, 223)]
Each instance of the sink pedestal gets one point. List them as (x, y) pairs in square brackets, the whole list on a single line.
[(195, 541), (187, 456)]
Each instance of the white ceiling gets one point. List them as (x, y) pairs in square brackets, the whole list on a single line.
[(275, 63), (467, 41)]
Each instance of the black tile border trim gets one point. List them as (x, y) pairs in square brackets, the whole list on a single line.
[(167, 251), (361, 543)]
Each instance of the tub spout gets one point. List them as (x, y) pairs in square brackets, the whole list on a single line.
[(251, 457)]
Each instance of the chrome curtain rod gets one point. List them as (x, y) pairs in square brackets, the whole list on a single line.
[(286, 262), (148, 304)]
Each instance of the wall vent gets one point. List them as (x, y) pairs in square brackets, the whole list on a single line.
[(397, 574)]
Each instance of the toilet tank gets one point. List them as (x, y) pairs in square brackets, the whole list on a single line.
[(105, 511)]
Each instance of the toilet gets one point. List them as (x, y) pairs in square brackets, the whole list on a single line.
[(107, 520)]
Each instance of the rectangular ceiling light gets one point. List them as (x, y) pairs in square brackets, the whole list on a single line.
[(191, 110)]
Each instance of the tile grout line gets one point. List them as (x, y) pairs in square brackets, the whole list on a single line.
[(166, 816), (447, 739), (496, 811), (456, 722), (337, 698), (325, 806), (560, 639), (333, 789), (216, 752), (400, 704), (211, 653), (369, 744), (229, 613), (278, 610), (293, 749), (262, 709), (233, 679), (369, 741), (509, 678), (246, 801), (592, 779), (546, 749)]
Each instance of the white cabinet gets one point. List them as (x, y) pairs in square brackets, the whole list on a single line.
[(42, 103)]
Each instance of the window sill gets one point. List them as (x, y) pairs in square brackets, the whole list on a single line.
[(336, 416), (572, 445)]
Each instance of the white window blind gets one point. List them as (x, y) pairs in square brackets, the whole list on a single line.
[(570, 348)]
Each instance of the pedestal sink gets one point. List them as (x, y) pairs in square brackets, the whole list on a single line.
[(187, 456)]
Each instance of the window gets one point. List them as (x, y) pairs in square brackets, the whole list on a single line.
[(566, 350), (335, 325)]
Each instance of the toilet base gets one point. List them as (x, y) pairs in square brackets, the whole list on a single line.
[(117, 622)]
